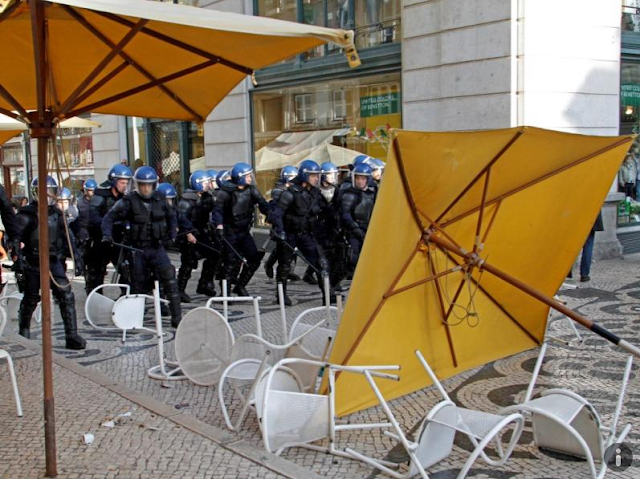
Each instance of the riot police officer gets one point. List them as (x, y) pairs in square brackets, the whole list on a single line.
[(232, 218), (99, 255), (356, 207), (294, 220), (153, 226), (287, 174), (84, 213), (194, 209), (60, 247)]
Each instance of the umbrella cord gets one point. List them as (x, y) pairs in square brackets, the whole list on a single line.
[(470, 311)]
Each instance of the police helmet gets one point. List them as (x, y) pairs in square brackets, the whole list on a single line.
[(288, 173), (198, 180), (212, 174), (167, 190), (118, 172), (90, 185), (223, 177), (361, 159), (306, 168), (65, 194), (52, 189), (329, 173), (145, 175), (360, 170), (240, 172)]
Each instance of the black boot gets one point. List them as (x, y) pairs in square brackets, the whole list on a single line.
[(93, 281), (270, 263), (27, 306), (309, 276), (246, 275), (208, 289), (183, 280), (68, 312), (172, 295), (287, 301)]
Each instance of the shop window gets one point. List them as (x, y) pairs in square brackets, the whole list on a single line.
[(304, 108), (339, 105), (631, 16)]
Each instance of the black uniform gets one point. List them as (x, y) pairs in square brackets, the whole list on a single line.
[(100, 255), (59, 250), (356, 207), (153, 224), (294, 221), (234, 209), (194, 211), (277, 190)]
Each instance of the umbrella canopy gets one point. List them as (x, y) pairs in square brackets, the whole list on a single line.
[(141, 58), (127, 57), (10, 127), (460, 218)]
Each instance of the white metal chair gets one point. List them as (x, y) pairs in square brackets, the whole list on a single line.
[(294, 418), (4, 354), (565, 422), (126, 313), (435, 437), (252, 355)]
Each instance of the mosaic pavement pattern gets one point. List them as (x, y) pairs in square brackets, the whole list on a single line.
[(592, 369)]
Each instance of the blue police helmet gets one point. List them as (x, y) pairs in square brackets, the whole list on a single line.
[(145, 175), (212, 174), (52, 189), (240, 172), (288, 173), (329, 172), (360, 170), (223, 177), (306, 168), (118, 172), (65, 194), (167, 190), (360, 159), (198, 180), (89, 184), (376, 164)]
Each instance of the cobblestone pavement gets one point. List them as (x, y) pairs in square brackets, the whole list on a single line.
[(592, 369)]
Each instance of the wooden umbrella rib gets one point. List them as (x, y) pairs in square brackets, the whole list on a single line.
[(434, 225), (455, 298), (154, 82), (454, 358), (405, 183), (8, 11), (476, 244), (141, 88), (71, 101), (491, 221), (540, 179), (381, 303), (447, 252), (99, 84), (180, 44), (422, 281), (504, 149), (4, 93), (11, 114)]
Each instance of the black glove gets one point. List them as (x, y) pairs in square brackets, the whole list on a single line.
[(357, 233), (281, 236), (219, 234), (107, 240), (168, 243), (14, 249)]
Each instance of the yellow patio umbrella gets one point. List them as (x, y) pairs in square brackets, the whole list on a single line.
[(10, 127), (128, 57), (472, 235)]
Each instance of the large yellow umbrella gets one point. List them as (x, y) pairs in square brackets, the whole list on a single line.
[(472, 235), (62, 58)]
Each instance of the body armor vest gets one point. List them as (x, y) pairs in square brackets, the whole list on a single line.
[(148, 220), (301, 216)]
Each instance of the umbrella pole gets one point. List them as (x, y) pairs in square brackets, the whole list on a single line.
[(475, 260)]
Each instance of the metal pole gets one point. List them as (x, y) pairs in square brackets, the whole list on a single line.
[(42, 129)]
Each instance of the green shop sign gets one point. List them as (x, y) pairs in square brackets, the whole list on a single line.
[(386, 104), (630, 94)]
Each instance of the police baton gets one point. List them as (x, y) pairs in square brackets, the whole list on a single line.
[(235, 251), (125, 246), (299, 254), (187, 232), (204, 245)]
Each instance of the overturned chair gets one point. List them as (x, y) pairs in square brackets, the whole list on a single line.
[(435, 436), (290, 417), (565, 422)]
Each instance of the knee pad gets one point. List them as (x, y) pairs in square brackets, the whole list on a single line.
[(166, 272)]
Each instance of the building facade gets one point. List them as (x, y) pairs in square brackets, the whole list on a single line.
[(427, 65)]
